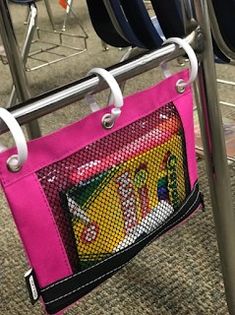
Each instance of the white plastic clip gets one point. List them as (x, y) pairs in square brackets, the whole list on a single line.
[(15, 161), (109, 119), (181, 84)]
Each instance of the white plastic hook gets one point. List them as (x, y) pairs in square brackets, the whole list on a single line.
[(16, 161), (117, 97), (181, 84)]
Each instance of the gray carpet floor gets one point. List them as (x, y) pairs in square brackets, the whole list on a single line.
[(178, 273)]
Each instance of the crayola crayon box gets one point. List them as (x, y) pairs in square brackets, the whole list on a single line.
[(121, 203)]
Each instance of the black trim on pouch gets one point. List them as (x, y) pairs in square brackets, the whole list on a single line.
[(62, 293)]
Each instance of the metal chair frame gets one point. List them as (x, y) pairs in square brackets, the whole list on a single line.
[(59, 36)]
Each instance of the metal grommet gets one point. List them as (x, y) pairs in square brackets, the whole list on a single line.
[(179, 87), (13, 164), (107, 121)]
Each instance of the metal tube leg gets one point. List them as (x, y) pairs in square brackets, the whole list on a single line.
[(15, 61), (50, 14), (104, 45), (32, 25), (13, 98), (67, 13), (216, 159)]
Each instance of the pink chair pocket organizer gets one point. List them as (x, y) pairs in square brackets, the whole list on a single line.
[(88, 199)]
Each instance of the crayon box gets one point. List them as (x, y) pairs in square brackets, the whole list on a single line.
[(129, 193)]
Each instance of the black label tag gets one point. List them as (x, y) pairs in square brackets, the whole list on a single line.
[(32, 286)]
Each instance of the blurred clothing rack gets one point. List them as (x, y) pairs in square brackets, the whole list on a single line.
[(210, 121)]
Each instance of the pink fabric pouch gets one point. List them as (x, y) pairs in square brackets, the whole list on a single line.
[(89, 199)]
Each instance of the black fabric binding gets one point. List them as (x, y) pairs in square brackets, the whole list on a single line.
[(61, 294)]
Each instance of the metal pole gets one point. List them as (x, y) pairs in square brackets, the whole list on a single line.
[(50, 14), (226, 82), (32, 25), (54, 100), (67, 13), (15, 61), (216, 159)]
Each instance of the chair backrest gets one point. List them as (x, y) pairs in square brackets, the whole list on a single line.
[(169, 16), (103, 24), (121, 22), (225, 16), (141, 23), (22, 1), (171, 21)]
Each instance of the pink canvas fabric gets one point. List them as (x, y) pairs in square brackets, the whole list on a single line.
[(26, 198)]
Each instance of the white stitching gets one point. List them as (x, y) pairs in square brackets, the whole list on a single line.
[(85, 285), (81, 272)]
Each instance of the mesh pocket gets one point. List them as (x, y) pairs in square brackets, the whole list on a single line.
[(118, 189)]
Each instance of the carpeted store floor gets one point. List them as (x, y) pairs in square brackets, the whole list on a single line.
[(177, 274)]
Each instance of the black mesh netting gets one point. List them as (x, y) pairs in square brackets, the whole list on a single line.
[(120, 188)]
